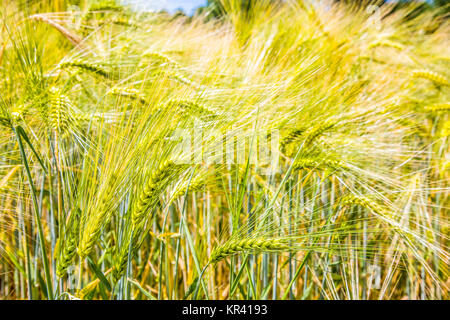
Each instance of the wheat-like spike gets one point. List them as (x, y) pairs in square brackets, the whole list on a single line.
[(291, 137), (85, 65), (67, 252), (74, 39), (43, 109), (363, 201), (188, 107), (195, 184), (445, 58), (309, 136), (432, 76), (438, 107), (317, 131), (149, 195), (98, 217), (59, 111), (87, 293), (121, 259), (83, 117), (258, 244), (124, 251), (173, 75), (120, 264), (386, 43)]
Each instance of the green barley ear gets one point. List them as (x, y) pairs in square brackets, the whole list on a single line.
[(59, 111), (156, 183), (318, 163), (175, 76), (303, 137), (435, 77), (162, 59), (197, 183), (69, 247), (89, 67), (124, 252), (93, 223), (121, 258), (81, 117), (292, 136), (87, 293), (254, 245), (189, 107), (120, 265), (317, 131), (363, 201), (439, 107), (386, 43)]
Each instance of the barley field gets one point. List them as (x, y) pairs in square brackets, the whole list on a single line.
[(285, 150)]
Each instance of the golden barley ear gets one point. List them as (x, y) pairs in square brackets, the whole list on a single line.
[(73, 38)]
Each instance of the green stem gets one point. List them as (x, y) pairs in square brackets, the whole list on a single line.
[(37, 218)]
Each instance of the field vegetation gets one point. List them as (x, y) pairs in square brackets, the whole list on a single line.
[(293, 150)]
